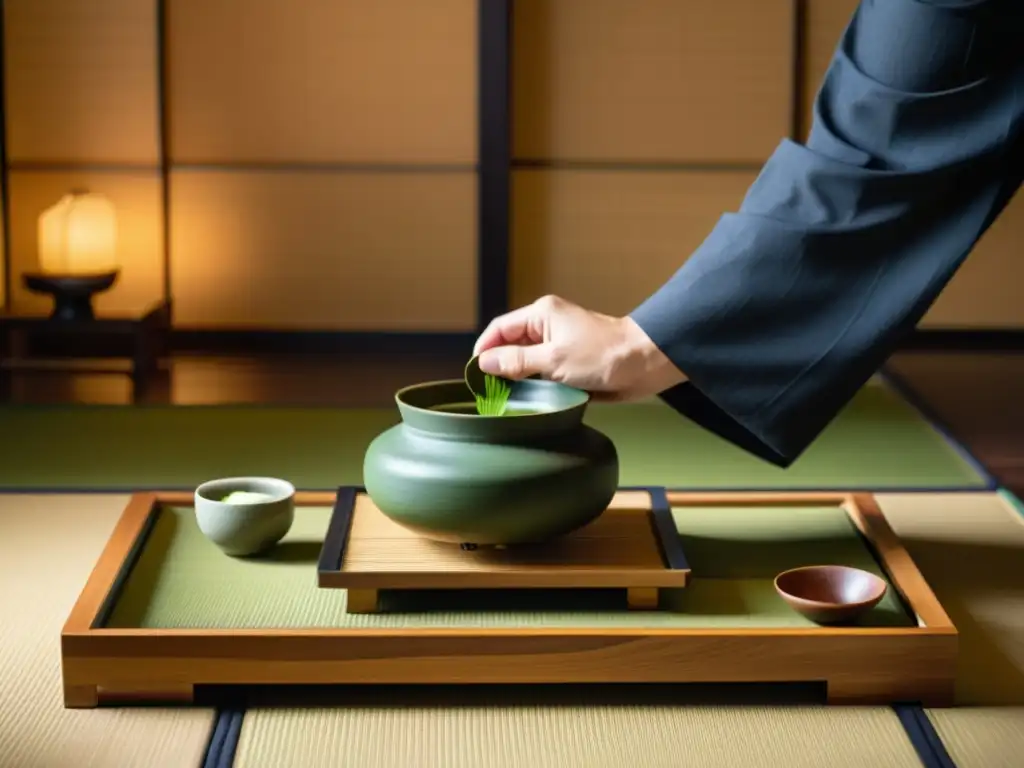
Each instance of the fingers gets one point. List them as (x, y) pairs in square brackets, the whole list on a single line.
[(520, 326), (515, 362)]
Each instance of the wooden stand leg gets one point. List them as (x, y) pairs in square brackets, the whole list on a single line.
[(362, 601), (81, 696), (642, 598)]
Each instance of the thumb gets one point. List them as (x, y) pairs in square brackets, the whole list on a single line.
[(517, 362)]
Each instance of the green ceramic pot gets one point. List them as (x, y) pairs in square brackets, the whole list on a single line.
[(448, 474)]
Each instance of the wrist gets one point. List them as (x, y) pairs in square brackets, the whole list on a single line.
[(648, 368)]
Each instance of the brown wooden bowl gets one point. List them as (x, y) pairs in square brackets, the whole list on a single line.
[(830, 594)]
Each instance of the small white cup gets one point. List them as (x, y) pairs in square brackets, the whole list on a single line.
[(251, 523)]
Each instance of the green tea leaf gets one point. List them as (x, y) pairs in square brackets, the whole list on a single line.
[(494, 401)]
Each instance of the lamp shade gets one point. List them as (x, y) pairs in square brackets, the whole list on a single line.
[(78, 236)]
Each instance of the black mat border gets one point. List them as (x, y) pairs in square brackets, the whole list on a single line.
[(224, 737), (922, 734), (332, 552)]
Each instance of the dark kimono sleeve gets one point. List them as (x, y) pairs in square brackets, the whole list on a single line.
[(841, 245)]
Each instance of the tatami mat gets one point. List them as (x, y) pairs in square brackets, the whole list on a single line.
[(982, 737), (878, 441), (970, 548), (587, 736), (48, 546)]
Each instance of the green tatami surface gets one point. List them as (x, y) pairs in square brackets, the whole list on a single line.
[(181, 580), (878, 442)]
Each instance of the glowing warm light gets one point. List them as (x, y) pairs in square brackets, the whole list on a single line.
[(78, 235)]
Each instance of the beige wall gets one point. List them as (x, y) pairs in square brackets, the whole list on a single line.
[(645, 119)]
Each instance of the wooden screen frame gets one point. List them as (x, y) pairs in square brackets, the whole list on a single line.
[(858, 665)]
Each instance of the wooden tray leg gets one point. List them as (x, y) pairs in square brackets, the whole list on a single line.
[(362, 601), (81, 696), (90, 696), (642, 598)]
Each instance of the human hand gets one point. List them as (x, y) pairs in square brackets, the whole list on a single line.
[(610, 357)]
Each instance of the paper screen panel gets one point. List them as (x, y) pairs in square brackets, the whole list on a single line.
[(986, 292), (307, 81), (136, 197), (824, 22), (330, 251), (607, 239), (82, 81), (652, 80)]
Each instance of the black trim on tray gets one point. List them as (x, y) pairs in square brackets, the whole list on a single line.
[(126, 568), (332, 553), (665, 529)]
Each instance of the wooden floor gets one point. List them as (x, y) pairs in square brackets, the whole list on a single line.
[(978, 395), (980, 398)]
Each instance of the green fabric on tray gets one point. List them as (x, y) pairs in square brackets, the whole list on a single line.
[(878, 442), (761, 542), (183, 581)]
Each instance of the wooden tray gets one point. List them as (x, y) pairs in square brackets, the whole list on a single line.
[(633, 546), (875, 665)]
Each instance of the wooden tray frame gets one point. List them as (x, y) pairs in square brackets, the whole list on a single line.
[(858, 665), (648, 507)]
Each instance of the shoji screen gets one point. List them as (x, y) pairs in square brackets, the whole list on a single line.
[(636, 125), (637, 122), (81, 111), (323, 163), (321, 154)]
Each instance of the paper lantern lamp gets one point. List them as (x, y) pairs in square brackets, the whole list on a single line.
[(77, 253)]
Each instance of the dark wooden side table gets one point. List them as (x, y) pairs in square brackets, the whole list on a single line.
[(148, 328)]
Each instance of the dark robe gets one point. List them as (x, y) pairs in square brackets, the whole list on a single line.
[(843, 243)]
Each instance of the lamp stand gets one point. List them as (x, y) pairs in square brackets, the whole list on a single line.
[(72, 294)]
